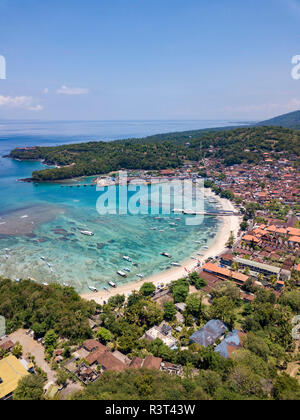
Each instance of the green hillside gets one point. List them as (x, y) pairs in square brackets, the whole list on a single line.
[(245, 144), (290, 120)]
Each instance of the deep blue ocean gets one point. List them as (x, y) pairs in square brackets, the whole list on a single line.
[(40, 224)]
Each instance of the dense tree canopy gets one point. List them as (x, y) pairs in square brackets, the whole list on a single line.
[(246, 144)]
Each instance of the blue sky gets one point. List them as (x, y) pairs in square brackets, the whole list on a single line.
[(149, 59)]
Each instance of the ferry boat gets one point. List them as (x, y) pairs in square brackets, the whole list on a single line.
[(121, 273), (165, 254), (112, 284), (87, 233), (127, 258), (93, 289)]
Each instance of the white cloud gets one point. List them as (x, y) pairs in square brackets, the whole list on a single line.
[(45, 91), (24, 102), (65, 90)]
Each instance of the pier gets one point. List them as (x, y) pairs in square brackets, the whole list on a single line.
[(206, 213)]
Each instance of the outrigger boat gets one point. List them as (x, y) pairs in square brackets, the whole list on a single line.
[(165, 254), (87, 233), (121, 273), (93, 289)]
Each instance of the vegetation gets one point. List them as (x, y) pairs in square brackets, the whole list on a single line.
[(246, 144), (49, 311), (30, 388)]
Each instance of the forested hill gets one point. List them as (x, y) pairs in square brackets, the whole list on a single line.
[(291, 120), (245, 144)]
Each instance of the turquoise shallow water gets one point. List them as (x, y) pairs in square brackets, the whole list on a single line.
[(45, 221)]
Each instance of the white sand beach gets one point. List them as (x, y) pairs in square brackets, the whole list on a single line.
[(230, 224)]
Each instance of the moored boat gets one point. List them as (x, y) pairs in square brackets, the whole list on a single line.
[(121, 273), (165, 254), (93, 289), (87, 233)]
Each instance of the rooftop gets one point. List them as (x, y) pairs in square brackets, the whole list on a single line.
[(11, 371)]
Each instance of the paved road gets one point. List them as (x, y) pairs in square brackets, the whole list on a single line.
[(36, 349)]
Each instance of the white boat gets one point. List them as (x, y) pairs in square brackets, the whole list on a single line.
[(87, 233), (105, 288), (93, 289), (205, 247), (172, 224), (121, 273), (43, 258), (65, 285), (193, 258), (161, 230), (140, 276), (127, 269), (112, 284), (198, 242), (45, 284), (127, 258), (17, 280), (165, 254), (175, 264), (154, 228)]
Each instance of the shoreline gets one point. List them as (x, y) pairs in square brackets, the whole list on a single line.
[(230, 224)]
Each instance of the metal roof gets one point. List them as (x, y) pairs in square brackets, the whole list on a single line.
[(232, 339), (208, 334), (267, 267)]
